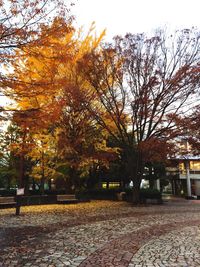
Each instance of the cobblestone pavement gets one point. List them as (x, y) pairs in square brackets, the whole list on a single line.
[(102, 234), (177, 248)]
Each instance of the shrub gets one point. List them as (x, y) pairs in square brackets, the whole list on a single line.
[(150, 193), (145, 194), (99, 194), (5, 192)]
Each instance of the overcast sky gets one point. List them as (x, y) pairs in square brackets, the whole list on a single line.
[(136, 16), (121, 16)]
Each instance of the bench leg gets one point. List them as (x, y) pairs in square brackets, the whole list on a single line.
[(17, 210)]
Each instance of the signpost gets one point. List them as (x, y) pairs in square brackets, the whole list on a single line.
[(20, 192)]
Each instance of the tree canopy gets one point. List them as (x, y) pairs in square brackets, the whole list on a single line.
[(144, 85)]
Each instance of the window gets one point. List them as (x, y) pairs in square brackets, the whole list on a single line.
[(195, 165)]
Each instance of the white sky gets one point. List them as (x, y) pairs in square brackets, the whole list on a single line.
[(136, 16)]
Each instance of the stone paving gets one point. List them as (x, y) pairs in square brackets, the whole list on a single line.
[(178, 248), (102, 234)]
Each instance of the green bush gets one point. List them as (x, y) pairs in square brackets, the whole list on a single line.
[(150, 193), (111, 194), (145, 194), (4, 192), (99, 194)]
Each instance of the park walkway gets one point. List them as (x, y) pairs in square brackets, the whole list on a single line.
[(101, 234)]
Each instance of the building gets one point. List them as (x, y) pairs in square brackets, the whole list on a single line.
[(185, 171)]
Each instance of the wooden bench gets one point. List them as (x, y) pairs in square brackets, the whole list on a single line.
[(10, 202), (7, 202), (66, 199)]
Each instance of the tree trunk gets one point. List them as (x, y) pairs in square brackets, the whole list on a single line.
[(75, 178), (68, 185), (26, 185), (33, 185), (49, 184), (21, 172), (42, 185), (136, 191), (151, 183), (136, 172), (8, 182), (43, 175), (22, 182), (107, 185)]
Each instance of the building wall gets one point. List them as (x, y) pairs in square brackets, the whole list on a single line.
[(193, 172)]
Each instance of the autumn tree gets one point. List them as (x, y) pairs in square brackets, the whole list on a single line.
[(20, 25), (191, 134), (81, 143), (35, 150), (23, 147), (9, 162), (43, 155), (32, 91), (143, 84), (48, 89), (44, 71)]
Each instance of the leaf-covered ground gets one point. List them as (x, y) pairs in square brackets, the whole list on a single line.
[(90, 234)]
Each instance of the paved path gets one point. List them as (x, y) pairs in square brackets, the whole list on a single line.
[(101, 234)]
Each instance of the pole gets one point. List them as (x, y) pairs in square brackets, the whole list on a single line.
[(187, 165)]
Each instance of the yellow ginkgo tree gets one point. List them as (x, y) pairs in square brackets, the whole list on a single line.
[(49, 89)]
